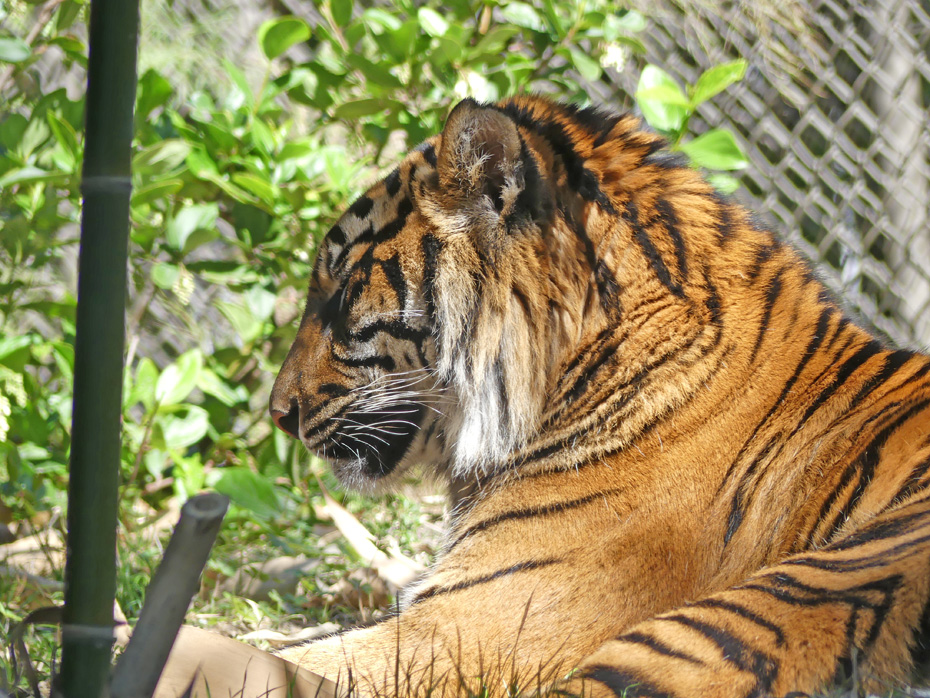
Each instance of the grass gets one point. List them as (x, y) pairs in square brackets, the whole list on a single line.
[(337, 589)]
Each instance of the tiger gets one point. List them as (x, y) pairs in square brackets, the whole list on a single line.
[(677, 467)]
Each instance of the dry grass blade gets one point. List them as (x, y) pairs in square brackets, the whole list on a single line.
[(19, 655), (394, 568)]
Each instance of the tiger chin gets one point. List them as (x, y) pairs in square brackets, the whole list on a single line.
[(679, 469)]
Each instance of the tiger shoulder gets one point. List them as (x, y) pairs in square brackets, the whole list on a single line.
[(678, 468)]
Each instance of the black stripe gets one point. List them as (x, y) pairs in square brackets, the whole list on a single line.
[(912, 484), (881, 530), (623, 684), (846, 369), (667, 215), (878, 559), (658, 646), (920, 645), (864, 466), (428, 151), (763, 255), (771, 296), (631, 216), (393, 328), (332, 390), (725, 220), (395, 277), (579, 177), (362, 207), (733, 649), (385, 363), (532, 512), (344, 252), (392, 182), (893, 363), (745, 613), (736, 514), (467, 584), (431, 247)]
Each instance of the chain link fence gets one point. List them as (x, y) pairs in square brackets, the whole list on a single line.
[(835, 122)]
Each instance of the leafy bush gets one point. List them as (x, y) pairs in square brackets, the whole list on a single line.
[(233, 188)]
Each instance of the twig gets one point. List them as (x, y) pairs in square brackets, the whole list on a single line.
[(45, 16), (168, 596)]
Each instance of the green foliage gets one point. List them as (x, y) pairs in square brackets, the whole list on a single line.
[(232, 189), (668, 109)]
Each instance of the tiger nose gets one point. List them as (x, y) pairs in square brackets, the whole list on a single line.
[(287, 421)]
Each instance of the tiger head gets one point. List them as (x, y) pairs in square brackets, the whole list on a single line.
[(446, 302)]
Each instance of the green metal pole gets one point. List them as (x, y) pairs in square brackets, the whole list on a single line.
[(90, 569)]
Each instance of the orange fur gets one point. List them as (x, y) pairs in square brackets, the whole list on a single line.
[(677, 466)]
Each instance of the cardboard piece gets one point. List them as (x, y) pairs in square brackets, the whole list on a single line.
[(221, 667)]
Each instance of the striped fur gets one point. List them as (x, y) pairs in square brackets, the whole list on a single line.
[(678, 467)]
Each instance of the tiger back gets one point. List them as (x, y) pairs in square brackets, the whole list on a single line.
[(678, 468)]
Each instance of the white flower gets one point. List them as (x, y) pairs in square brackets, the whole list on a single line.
[(615, 56), (5, 410)]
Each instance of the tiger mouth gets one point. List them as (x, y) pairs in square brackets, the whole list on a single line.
[(376, 440)]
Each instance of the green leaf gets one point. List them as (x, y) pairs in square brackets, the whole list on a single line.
[(143, 385), (190, 218), (631, 21), (161, 157), (154, 90), (495, 40), (664, 94), (724, 183), (155, 191), (72, 46), (241, 82), (263, 136), (589, 69), (261, 302), (382, 20), (552, 18), (165, 274), (155, 461), (178, 379), (659, 113), (246, 489), (400, 43), (31, 175), (377, 73), (715, 150), (70, 10), (342, 11), (63, 353), (201, 164), (242, 320), (12, 128), (524, 15), (359, 107), (13, 50), (716, 79), (64, 132), (263, 189), (296, 149), (432, 22), (12, 346), (183, 429), (277, 35), (212, 384)]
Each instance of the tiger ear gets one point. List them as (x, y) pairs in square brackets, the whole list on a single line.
[(482, 163)]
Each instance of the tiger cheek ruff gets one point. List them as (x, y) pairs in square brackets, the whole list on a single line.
[(678, 469)]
